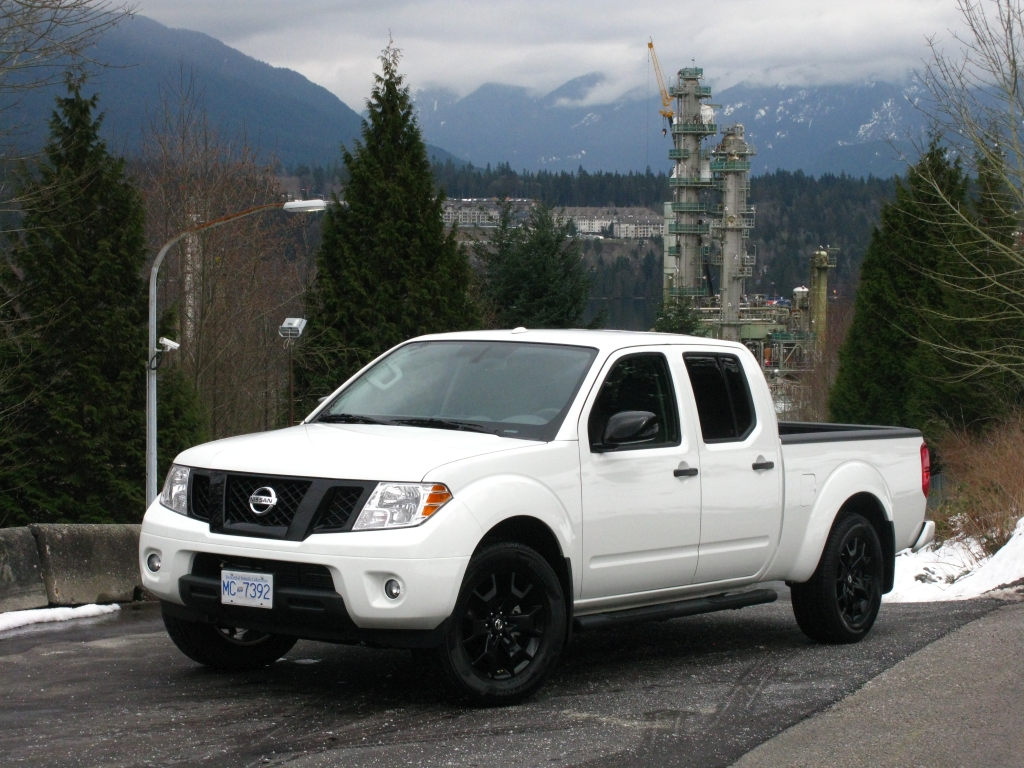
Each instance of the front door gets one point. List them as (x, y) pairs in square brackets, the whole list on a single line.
[(641, 502), (741, 475)]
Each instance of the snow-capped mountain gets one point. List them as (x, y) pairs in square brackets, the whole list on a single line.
[(858, 129)]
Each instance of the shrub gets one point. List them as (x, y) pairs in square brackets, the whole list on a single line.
[(984, 476)]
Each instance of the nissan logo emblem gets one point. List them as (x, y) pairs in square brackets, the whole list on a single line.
[(262, 500)]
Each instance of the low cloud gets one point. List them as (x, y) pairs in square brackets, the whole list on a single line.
[(459, 45)]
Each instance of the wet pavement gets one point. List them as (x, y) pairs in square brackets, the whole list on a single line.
[(698, 691)]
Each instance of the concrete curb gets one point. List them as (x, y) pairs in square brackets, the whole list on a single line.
[(21, 574), (89, 563)]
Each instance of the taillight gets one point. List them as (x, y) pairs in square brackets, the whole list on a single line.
[(926, 470)]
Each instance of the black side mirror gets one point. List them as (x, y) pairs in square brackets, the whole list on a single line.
[(629, 428)]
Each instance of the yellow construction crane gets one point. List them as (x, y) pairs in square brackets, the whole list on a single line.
[(666, 100)]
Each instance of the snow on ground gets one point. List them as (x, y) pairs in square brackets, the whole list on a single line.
[(15, 619), (957, 571)]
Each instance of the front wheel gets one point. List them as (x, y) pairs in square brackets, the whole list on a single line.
[(226, 648), (840, 602), (508, 628)]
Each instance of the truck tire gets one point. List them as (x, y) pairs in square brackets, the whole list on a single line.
[(229, 650), (507, 631), (840, 602)]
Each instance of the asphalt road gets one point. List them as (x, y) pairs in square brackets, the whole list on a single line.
[(699, 691)]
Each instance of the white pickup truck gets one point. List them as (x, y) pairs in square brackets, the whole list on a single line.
[(485, 494)]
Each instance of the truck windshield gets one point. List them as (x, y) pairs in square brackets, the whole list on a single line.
[(510, 389)]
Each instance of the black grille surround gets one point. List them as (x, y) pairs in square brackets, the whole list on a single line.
[(305, 505)]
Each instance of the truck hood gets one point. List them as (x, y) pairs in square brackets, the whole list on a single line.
[(345, 451)]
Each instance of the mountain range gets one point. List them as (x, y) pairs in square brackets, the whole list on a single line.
[(283, 114), (858, 129)]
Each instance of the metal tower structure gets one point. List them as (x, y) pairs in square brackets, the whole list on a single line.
[(687, 231), (822, 260), (730, 165)]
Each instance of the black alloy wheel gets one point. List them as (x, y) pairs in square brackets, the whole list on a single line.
[(509, 625), (840, 602), (855, 582)]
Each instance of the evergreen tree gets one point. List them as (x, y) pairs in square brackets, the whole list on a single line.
[(678, 316), (387, 268), (891, 370), (534, 274), (74, 450)]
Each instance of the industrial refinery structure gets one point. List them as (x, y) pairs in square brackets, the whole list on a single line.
[(707, 226)]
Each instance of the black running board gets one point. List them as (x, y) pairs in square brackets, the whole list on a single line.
[(676, 610)]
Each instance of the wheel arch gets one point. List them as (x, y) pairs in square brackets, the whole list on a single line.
[(854, 487), (534, 533)]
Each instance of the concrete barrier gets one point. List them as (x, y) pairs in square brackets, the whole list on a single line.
[(89, 563), (21, 574)]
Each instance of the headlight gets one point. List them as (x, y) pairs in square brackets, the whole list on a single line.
[(401, 505), (175, 493)]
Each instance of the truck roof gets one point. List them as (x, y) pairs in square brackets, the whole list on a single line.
[(603, 340)]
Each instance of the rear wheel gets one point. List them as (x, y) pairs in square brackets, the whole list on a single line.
[(840, 602), (226, 648), (507, 631)]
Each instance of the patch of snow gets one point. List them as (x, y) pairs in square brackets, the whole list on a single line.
[(14, 619), (957, 571)]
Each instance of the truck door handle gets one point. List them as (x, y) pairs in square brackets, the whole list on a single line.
[(764, 465), (688, 472)]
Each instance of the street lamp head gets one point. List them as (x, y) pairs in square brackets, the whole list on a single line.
[(305, 206), (292, 328)]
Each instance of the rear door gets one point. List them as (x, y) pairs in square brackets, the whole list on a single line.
[(641, 503), (741, 473)]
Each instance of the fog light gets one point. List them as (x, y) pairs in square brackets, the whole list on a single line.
[(153, 562), (392, 589)]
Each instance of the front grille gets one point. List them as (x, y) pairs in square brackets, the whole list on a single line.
[(240, 487), (200, 506), (291, 575), (337, 513)]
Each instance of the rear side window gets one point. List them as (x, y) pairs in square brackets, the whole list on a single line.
[(724, 405), (637, 383)]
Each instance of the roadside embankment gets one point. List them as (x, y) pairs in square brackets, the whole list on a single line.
[(63, 565)]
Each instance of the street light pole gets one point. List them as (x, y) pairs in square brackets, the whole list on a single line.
[(152, 354)]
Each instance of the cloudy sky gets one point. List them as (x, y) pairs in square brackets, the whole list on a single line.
[(540, 44)]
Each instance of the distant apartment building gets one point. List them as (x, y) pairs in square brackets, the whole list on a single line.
[(628, 223), (481, 211)]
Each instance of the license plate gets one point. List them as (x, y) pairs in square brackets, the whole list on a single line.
[(255, 590)]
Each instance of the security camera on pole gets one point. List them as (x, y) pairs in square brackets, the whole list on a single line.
[(290, 331), (154, 353)]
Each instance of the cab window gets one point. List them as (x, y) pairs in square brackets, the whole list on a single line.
[(720, 389), (637, 383)]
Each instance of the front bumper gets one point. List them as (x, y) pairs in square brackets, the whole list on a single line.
[(359, 564)]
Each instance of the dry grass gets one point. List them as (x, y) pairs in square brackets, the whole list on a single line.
[(984, 484)]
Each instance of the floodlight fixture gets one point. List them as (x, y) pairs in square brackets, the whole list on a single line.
[(292, 328)]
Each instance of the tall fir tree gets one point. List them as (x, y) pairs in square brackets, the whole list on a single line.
[(74, 450), (891, 367), (387, 269), (533, 273)]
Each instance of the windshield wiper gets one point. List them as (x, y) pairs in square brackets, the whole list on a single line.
[(349, 418), (464, 426)]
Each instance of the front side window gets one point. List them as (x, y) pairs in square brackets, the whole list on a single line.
[(720, 389), (510, 389), (637, 383)]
